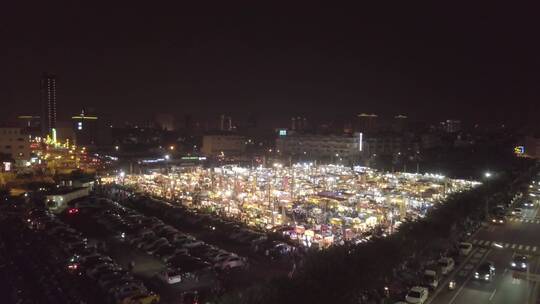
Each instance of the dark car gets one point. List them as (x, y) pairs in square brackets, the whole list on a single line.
[(485, 272), (528, 204), (519, 262), (498, 219)]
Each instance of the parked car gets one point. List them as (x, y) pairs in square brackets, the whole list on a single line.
[(417, 295), (157, 247), (170, 276), (154, 244), (93, 271), (431, 278), (230, 263), (465, 248), (132, 287), (174, 255), (447, 265), (220, 256), (144, 298), (517, 212), (189, 243)]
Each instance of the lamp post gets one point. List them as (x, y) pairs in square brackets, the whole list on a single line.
[(487, 176), (167, 157)]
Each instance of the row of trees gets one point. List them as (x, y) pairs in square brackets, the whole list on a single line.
[(342, 274)]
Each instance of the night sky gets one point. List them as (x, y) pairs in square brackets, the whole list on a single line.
[(131, 61)]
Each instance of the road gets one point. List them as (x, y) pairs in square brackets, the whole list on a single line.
[(498, 244)]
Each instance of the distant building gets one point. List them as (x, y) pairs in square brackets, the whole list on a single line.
[(225, 123), (366, 123), (451, 126), (430, 141), (85, 128), (30, 124), (64, 131), (299, 123), (213, 145), (532, 147), (165, 121), (382, 145), (399, 123), (320, 146), (188, 123), (15, 144), (48, 103)]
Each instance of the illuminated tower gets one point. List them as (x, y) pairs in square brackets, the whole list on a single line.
[(48, 103)]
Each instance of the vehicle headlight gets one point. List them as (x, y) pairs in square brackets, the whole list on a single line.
[(523, 265), (501, 221), (513, 264), (476, 275), (493, 220)]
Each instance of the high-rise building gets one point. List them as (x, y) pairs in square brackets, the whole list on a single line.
[(85, 128), (299, 123), (399, 124), (165, 121), (451, 126), (366, 123), (48, 103), (225, 123)]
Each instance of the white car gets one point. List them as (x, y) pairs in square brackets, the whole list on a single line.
[(417, 295), (222, 256), (517, 212), (170, 276), (230, 263), (465, 248), (447, 265)]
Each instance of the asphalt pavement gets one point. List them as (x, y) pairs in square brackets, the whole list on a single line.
[(498, 244)]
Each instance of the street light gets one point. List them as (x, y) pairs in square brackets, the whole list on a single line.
[(167, 156), (487, 175)]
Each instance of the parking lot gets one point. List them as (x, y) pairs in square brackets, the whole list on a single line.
[(267, 255), (207, 261)]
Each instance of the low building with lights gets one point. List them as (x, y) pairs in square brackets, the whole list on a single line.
[(337, 148), (57, 200), (334, 147), (226, 144), (15, 144)]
